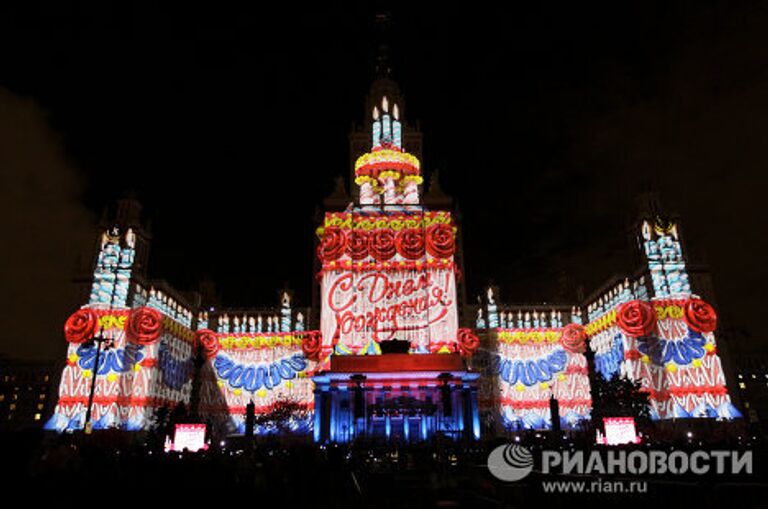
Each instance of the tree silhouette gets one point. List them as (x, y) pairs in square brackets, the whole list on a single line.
[(618, 397), (160, 427), (280, 415)]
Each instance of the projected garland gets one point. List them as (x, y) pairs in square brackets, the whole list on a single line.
[(533, 364), (258, 377), (267, 368), (669, 345), (414, 241)]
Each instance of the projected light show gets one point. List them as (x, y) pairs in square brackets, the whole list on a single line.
[(384, 256), (390, 349)]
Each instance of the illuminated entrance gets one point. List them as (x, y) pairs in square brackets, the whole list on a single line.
[(397, 397)]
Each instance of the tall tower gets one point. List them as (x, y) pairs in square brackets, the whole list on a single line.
[(131, 347), (383, 86), (656, 330), (661, 246), (121, 258), (388, 289), (387, 265)]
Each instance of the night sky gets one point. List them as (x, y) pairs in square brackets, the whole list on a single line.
[(230, 124)]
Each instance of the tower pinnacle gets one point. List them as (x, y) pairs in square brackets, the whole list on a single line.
[(384, 137), (383, 67)]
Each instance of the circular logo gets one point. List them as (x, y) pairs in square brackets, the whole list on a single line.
[(510, 462)]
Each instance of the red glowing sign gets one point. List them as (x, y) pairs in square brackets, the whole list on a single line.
[(418, 306), (619, 430), (189, 437)]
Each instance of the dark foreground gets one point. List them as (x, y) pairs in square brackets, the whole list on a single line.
[(72, 471)]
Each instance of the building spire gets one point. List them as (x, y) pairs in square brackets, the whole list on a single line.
[(382, 144), (383, 66)]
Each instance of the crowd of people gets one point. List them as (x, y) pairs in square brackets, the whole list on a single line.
[(290, 473)]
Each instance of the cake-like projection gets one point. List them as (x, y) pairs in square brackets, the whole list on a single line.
[(387, 174)]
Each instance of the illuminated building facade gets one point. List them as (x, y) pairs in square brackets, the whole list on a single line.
[(752, 383), (648, 327), (387, 350), (390, 352), (25, 394), (132, 346)]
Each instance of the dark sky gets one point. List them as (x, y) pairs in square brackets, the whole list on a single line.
[(230, 124)]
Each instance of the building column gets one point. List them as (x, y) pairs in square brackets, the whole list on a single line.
[(322, 409), (471, 413), (459, 410), (333, 414)]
